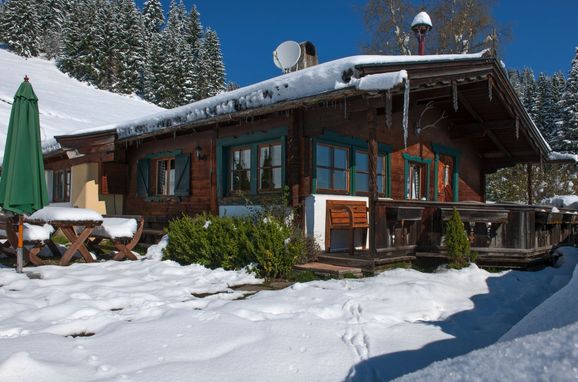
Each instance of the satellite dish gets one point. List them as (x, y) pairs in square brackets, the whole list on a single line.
[(287, 55)]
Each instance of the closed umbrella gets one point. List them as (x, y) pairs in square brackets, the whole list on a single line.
[(23, 185)]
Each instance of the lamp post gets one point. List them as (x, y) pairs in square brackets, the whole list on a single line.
[(421, 25)]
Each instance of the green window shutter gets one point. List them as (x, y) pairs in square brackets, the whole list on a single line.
[(183, 175), (143, 177)]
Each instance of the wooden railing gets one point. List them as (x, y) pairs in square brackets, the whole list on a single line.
[(508, 233)]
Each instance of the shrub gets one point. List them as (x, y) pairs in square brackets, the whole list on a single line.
[(268, 244), (456, 241)]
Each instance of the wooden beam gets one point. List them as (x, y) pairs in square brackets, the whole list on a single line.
[(372, 151), (530, 190), (490, 134), (469, 107), (478, 130)]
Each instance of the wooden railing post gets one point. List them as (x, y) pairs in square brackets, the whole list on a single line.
[(372, 151)]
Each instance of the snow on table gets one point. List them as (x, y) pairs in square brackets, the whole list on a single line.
[(34, 232), (53, 214), (116, 227), (148, 326)]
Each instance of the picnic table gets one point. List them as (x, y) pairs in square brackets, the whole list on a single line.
[(76, 224)]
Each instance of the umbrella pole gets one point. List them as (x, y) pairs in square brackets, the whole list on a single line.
[(19, 254)]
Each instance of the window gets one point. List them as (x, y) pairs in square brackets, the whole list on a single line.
[(255, 168), (416, 181), (61, 185), (270, 167), (332, 168), (362, 172), (446, 175), (165, 173), (240, 168)]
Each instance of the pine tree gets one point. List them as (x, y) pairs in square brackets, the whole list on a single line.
[(21, 27), (177, 57), (52, 14), (557, 89), (128, 32), (154, 18), (79, 42), (154, 78), (570, 109), (212, 69)]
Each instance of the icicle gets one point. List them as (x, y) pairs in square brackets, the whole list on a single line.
[(388, 109), (405, 122), (517, 128), (490, 88), (455, 95), (345, 108)]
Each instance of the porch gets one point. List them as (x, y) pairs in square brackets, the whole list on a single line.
[(501, 235)]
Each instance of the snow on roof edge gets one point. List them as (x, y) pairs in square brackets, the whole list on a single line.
[(316, 80)]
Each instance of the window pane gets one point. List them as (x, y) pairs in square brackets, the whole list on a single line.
[(161, 177), (362, 182), (276, 154), (380, 164), (241, 180), (265, 159), (380, 184), (361, 161), (277, 181), (340, 180), (171, 190), (323, 155), (323, 178), (340, 158), (246, 158)]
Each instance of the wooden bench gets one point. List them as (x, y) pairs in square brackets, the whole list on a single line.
[(9, 232), (123, 243), (346, 215)]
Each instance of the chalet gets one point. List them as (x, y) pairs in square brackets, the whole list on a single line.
[(375, 151)]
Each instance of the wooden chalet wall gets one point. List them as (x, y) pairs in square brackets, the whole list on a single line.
[(201, 186)]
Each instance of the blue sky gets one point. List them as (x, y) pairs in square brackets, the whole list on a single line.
[(543, 37)]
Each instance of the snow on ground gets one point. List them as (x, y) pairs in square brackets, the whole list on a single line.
[(149, 327), (543, 346), (66, 105)]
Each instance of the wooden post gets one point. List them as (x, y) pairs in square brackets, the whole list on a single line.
[(530, 190), (372, 151), (20, 249)]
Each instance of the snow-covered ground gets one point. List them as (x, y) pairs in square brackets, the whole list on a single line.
[(148, 321), (66, 105)]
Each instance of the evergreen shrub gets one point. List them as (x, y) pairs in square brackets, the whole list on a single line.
[(457, 243), (268, 245)]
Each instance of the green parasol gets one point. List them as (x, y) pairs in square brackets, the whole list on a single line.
[(23, 184)]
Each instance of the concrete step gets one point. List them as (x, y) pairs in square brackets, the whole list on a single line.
[(330, 270), (345, 261)]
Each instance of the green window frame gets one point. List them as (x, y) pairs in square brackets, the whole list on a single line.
[(354, 146), (455, 154), (424, 163), (263, 175), (362, 172), (147, 171)]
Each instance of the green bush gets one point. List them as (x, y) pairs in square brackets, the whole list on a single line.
[(265, 243), (457, 243)]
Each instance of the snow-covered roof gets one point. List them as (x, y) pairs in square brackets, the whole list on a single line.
[(555, 156), (421, 18), (317, 80)]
